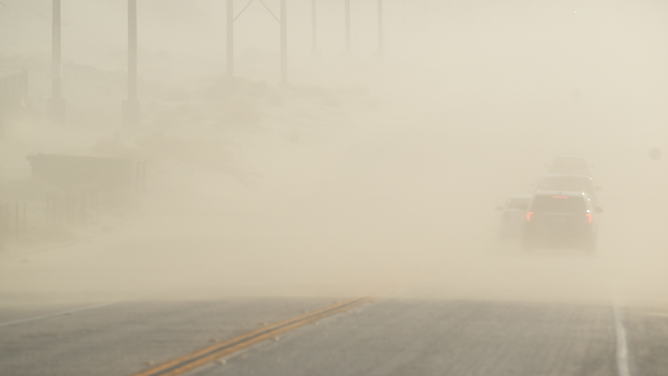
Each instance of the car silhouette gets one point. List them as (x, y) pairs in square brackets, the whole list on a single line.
[(560, 219)]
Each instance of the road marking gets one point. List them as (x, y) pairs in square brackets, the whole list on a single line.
[(209, 354), (80, 309), (651, 313), (54, 314), (622, 346)]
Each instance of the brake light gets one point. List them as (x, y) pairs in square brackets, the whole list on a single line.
[(529, 214), (589, 217)]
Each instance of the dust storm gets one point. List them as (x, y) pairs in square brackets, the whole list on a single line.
[(368, 170)]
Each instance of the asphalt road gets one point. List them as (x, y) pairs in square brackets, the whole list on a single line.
[(388, 337), (436, 338), (122, 338)]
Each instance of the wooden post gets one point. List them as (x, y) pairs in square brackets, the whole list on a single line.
[(132, 50), (55, 50), (130, 107), (284, 43), (17, 221), (314, 45), (56, 104), (347, 11), (230, 38), (380, 28), (97, 207)]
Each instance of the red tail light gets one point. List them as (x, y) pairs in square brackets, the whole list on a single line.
[(589, 217), (529, 214)]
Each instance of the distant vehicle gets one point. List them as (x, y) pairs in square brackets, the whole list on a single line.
[(557, 218), (512, 216), (569, 164), (571, 183)]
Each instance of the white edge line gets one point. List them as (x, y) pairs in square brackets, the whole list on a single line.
[(622, 346), (55, 314), (85, 308)]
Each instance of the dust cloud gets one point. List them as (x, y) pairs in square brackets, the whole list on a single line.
[(366, 173)]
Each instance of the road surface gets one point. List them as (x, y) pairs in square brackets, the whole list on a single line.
[(391, 336)]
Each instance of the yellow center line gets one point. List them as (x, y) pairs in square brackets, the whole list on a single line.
[(209, 354)]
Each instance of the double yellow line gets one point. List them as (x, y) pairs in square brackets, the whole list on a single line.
[(209, 354)]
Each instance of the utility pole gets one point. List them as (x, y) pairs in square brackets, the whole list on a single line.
[(284, 43), (56, 105), (347, 11), (130, 108), (283, 22), (230, 38), (314, 46), (380, 28)]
